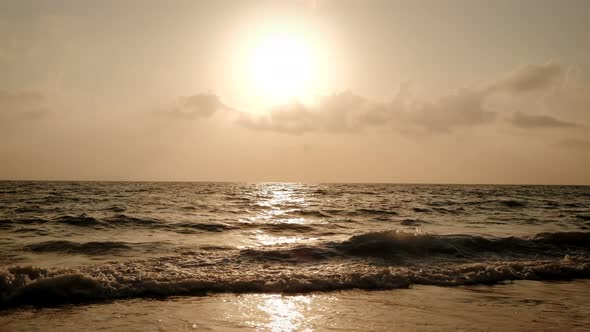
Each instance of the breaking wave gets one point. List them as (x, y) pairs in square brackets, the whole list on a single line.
[(171, 277), (416, 246), (322, 267), (390, 243), (198, 238)]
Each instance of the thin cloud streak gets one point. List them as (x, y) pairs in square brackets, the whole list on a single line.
[(202, 105), (22, 105), (523, 120), (529, 78)]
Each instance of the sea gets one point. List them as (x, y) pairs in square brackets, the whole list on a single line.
[(195, 256)]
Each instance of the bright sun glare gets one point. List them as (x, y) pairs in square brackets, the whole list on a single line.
[(282, 67)]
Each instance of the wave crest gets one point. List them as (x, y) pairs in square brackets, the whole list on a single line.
[(389, 243), (172, 277)]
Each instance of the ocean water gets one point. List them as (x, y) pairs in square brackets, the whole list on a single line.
[(322, 256)]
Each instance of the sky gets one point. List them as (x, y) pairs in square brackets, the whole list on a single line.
[(452, 91)]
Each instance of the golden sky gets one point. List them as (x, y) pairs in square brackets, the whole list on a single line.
[(453, 91)]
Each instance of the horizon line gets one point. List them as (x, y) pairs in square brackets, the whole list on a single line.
[(305, 182)]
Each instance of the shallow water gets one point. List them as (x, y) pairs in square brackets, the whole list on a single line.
[(93, 242), (521, 306)]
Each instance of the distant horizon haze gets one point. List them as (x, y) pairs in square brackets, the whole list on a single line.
[(302, 182)]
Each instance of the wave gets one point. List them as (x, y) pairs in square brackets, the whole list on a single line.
[(173, 277), (216, 248), (81, 220), (125, 220), (399, 243), (190, 227), (297, 254), (5, 224), (308, 213), (31, 230), (29, 209), (88, 248), (457, 210), (8, 192), (399, 246), (413, 222), (29, 221), (379, 212), (282, 227), (116, 208), (118, 220), (122, 221), (511, 203)]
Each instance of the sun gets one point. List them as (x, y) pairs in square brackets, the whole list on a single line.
[(282, 67)]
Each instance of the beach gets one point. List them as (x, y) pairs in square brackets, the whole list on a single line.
[(293, 257)]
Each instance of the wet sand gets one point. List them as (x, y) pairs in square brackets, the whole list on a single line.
[(518, 306)]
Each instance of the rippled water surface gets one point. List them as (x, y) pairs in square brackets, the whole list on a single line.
[(89, 242)]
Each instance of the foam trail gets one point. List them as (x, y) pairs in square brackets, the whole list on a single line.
[(199, 275)]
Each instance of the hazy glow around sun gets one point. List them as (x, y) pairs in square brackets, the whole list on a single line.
[(282, 67)]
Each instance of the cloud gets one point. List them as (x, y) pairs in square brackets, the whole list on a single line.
[(202, 105), (529, 78), (342, 112), (462, 109), (293, 118), (575, 143), (465, 108), (347, 112), (23, 104), (523, 120)]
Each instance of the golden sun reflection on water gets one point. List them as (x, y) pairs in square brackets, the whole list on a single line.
[(281, 203), (285, 312), (281, 193), (273, 312), (280, 199), (266, 239)]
